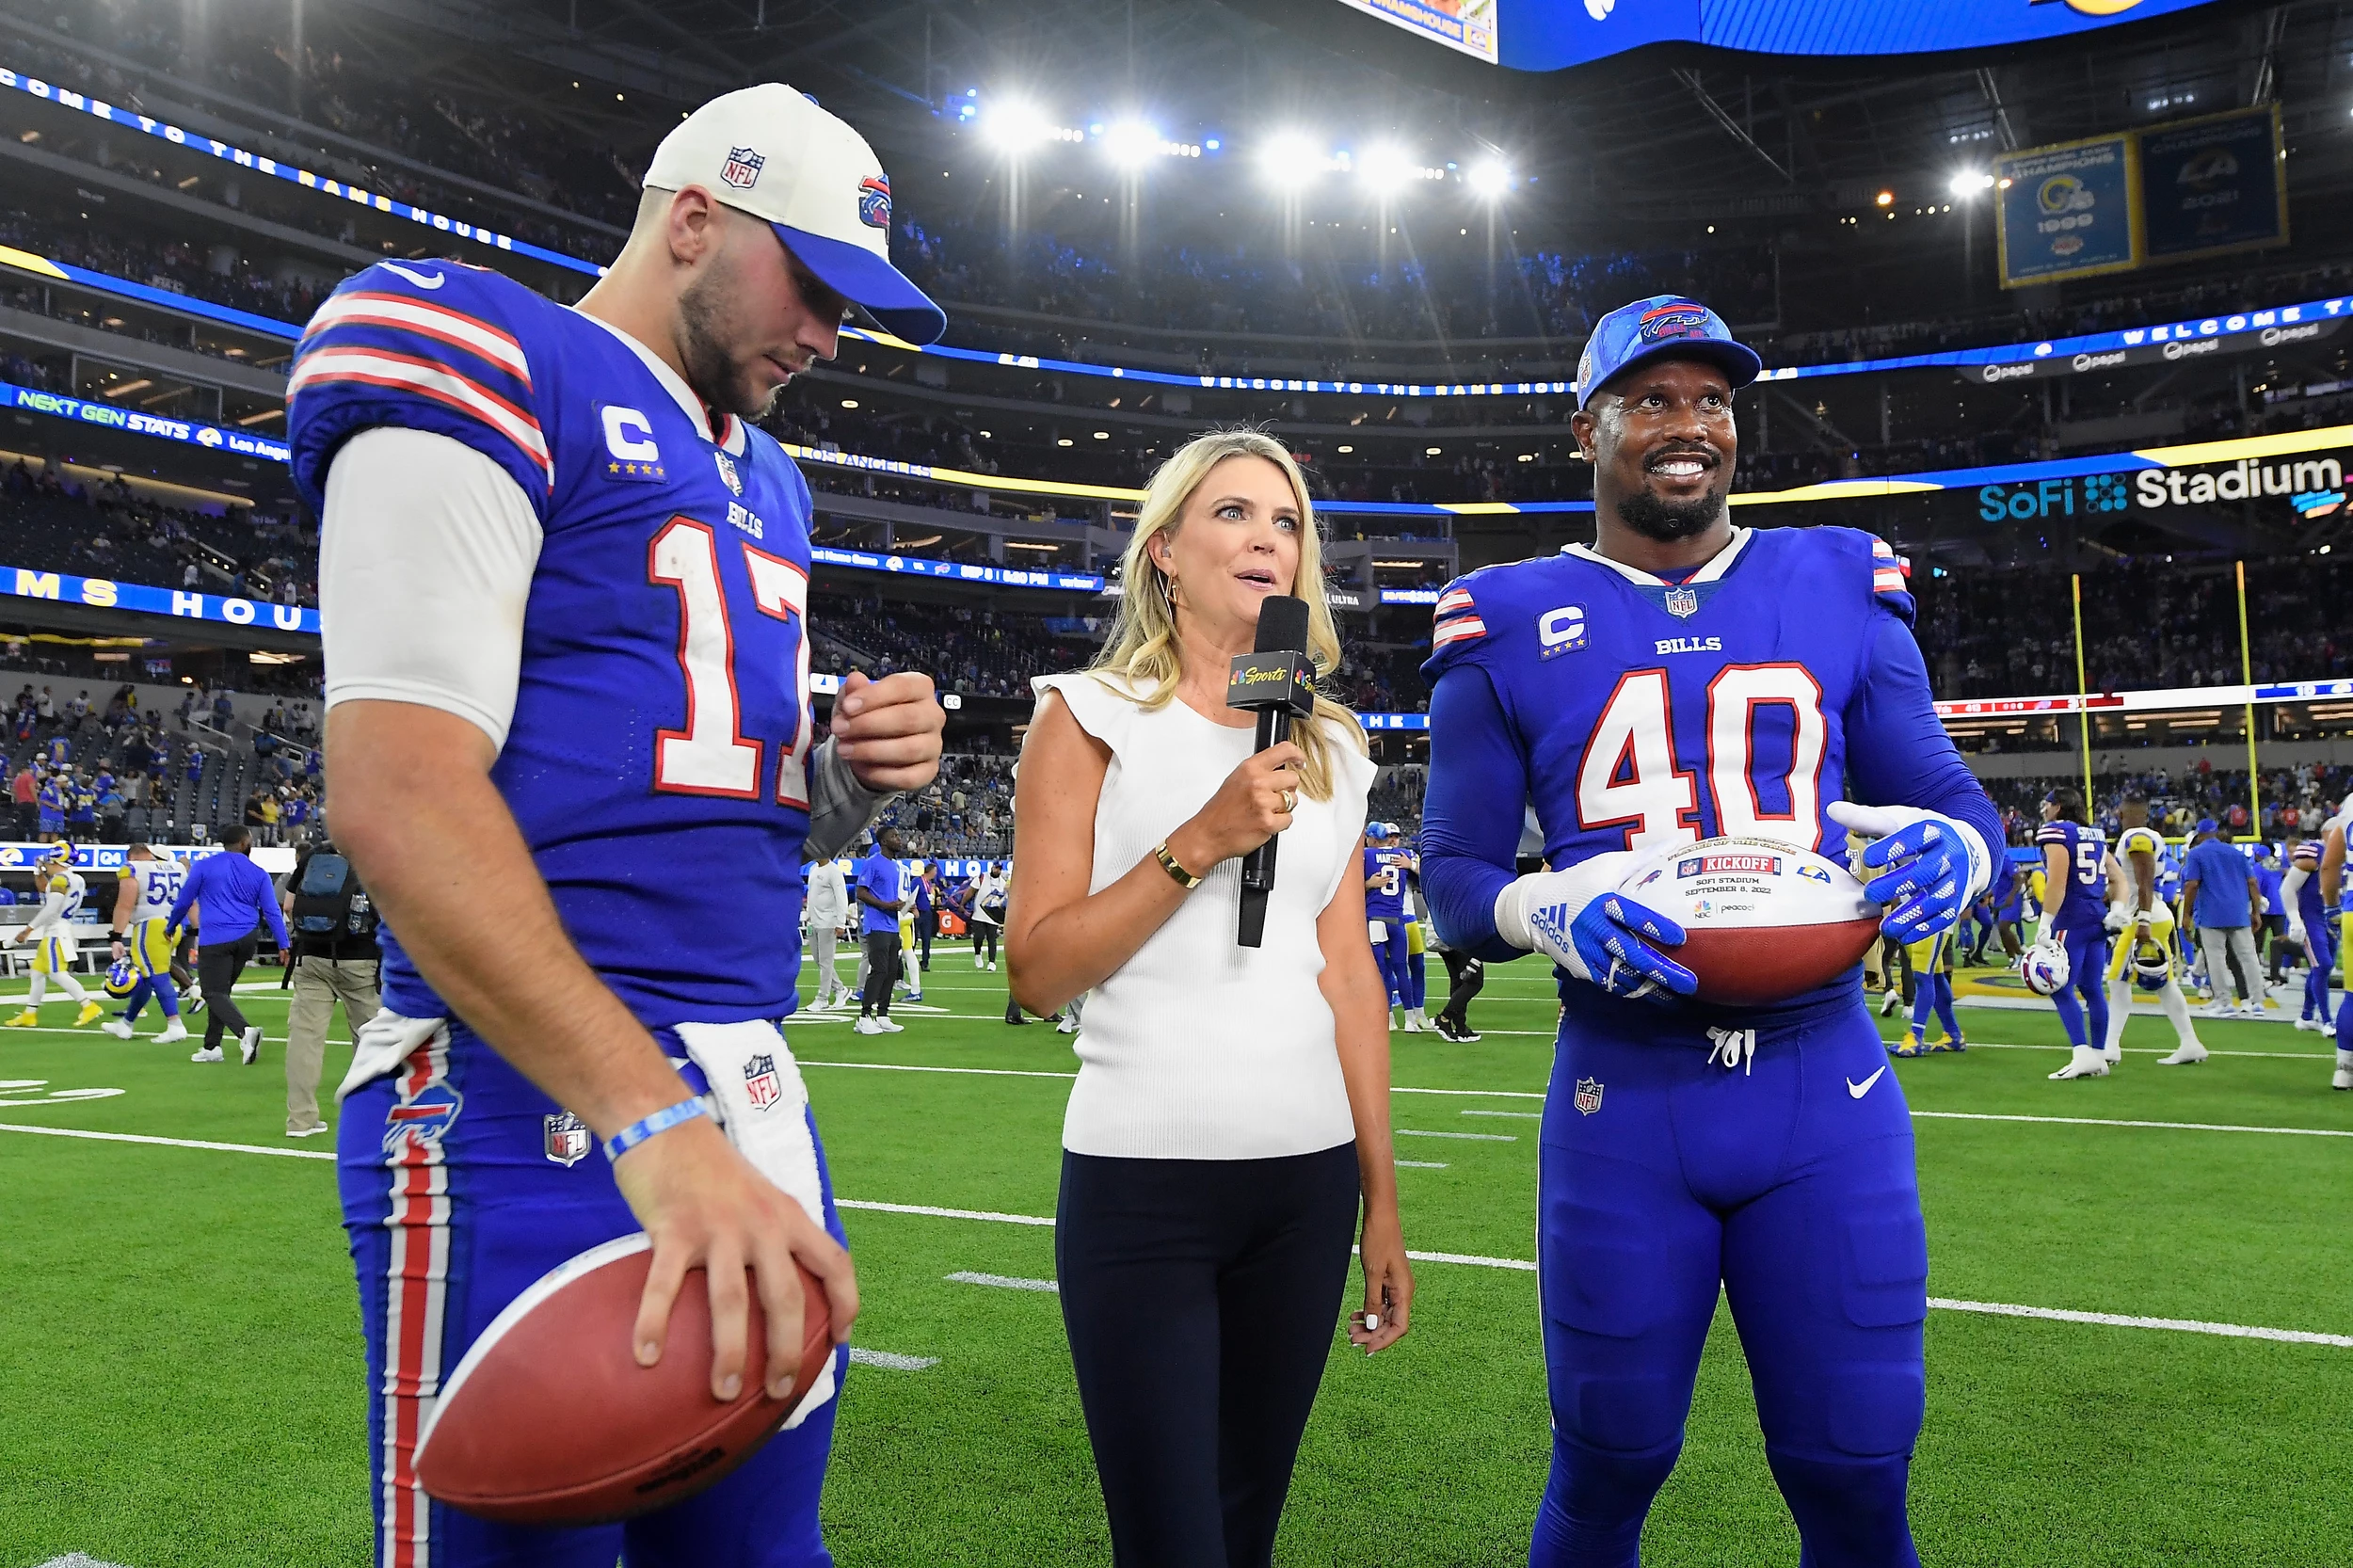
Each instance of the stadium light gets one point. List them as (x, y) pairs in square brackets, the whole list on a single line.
[(1488, 178), (1968, 183), (1013, 125), (1129, 142), (1385, 168), (1290, 160)]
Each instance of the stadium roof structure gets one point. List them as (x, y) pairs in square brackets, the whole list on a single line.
[(1674, 131)]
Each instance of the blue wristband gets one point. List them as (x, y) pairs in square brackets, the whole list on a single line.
[(661, 1121)]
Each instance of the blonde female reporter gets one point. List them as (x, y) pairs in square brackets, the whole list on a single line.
[(1229, 1135)]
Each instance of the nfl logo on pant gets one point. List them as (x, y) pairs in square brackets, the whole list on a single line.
[(567, 1138), (1587, 1097), (761, 1083)]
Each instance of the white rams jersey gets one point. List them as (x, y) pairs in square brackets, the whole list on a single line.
[(159, 887), (60, 905)]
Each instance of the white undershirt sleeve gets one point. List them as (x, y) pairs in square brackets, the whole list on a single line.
[(426, 562)]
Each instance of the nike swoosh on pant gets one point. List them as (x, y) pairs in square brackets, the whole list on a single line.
[(1856, 1091)]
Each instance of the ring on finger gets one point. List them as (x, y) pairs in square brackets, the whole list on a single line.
[(1291, 800)]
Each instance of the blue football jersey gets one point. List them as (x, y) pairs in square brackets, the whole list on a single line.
[(658, 757), (1384, 900), (2309, 907), (2084, 906), (1635, 712)]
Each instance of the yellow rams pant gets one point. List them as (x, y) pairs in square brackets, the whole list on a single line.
[(51, 956), (150, 944), (1415, 942), (2160, 931)]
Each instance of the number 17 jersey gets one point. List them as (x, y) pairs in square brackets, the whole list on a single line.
[(656, 762)]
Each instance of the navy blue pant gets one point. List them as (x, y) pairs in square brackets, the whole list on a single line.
[(1665, 1175), (1201, 1298), (462, 1184)]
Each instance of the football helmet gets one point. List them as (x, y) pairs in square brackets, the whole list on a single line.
[(121, 979), (2151, 964), (2045, 969)]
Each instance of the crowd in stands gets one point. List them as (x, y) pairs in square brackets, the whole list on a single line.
[(58, 522), (115, 770), (476, 136), (2296, 802), (175, 268), (972, 650), (2148, 623), (967, 812)]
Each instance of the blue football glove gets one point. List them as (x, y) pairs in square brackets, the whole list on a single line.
[(1578, 920), (1932, 867)]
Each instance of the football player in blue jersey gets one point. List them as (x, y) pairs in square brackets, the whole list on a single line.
[(564, 587), (2308, 929), (1680, 679), (2075, 919), (1385, 918)]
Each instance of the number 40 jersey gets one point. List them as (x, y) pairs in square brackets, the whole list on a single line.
[(1633, 712), (656, 758)]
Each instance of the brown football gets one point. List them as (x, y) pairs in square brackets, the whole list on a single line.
[(550, 1421), (1763, 921)]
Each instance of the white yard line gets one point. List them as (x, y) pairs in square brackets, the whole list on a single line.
[(1463, 1137), (2064, 1315), (2104, 1121), (1418, 1164), (860, 1357), (1513, 1115), (1001, 1281)]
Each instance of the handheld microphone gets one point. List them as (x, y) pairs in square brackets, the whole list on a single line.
[(1279, 682)]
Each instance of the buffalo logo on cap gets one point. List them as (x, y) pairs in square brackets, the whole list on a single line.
[(742, 167), (1665, 323), (874, 202)]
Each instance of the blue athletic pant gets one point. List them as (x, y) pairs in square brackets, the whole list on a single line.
[(462, 1184), (2320, 951), (158, 986), (2086, 976), (1390, 954), (1934, 990), (1663, 1176), (1416, 981)]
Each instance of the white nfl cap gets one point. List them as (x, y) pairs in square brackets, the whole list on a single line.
[(770, 151)]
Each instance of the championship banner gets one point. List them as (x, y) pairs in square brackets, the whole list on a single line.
[(2213, 184), (2068, 211)]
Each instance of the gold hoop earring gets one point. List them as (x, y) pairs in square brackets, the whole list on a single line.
[(1168, 593)]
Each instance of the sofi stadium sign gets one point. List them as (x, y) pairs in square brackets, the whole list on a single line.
[(105, 593), (2314, 486)]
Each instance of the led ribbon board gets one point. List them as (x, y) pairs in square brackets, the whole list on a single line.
[(1547, 34)]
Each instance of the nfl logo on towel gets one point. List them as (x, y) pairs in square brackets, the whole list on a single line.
[(566, 1139), (1587, 1097), (1683, 602), (761, 1083), (743, 166)]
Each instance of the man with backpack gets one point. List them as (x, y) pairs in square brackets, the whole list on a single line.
[(333, 924)]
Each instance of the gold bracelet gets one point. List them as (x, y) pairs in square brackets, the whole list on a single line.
[(1178, 873)]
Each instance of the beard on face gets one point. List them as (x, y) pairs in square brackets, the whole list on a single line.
[(1669, 521), (712, 369)]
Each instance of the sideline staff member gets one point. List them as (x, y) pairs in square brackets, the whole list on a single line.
[(336, 955), (1232, 1102), (232, 896)]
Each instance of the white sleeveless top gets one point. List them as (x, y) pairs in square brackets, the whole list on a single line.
[(1196, 1047)]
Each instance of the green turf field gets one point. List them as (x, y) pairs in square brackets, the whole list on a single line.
[(180, 1360)]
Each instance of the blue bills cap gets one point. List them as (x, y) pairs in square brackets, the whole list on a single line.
[(1665, 325)]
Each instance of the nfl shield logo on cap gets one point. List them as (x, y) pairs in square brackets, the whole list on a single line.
[(1587, 1097), (742, 167)]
